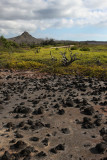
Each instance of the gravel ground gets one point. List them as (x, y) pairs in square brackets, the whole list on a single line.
[(52, 117)]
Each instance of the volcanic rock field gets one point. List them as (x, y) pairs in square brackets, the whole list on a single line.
[(49, 117)]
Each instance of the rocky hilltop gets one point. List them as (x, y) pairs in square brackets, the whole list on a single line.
[(25, 37)]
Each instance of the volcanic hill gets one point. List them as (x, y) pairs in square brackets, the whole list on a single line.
[(26, 38)]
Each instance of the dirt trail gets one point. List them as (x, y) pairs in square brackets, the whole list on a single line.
[(63, 46)]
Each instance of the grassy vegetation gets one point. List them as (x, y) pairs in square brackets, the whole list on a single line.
[(91, 62)]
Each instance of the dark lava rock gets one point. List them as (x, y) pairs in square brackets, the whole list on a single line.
[(105, 138), (105, 158), (98, 116), (7, 156), (87, 123), (27, 158), (60, 147), (41, 154), (84, 102), (18, 145), (77, 101), (45, 141), (9, 125), (47, 125), (27, 151), (53, 150), (26, 127), (103, 103), (101, 147), (16, 155), (8, 77), (65, 130), (103, 131), (13, 141), (97, 122), (88, 110), (22, 109), (35, 102), (18, 135), (30, 122), (38, 111), (34, 139), (37, 125), (21, 124), (1, 107), (56, 106), (61, 111), (69, 102)]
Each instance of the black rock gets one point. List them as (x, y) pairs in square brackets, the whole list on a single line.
[(22, 109), (60, 147), (105, 158), (34, 139), (9, 125), (88, 110), (103, 131), (69, 102), (101, 147), (56, 106), (47, 125), (7, 156), (87, 123), (41, 154), (97, 122), (27, 158), (61, 111), (53, 150), (18, 135), (45, 141), (18, 145), (105, 138), (65, 130), (27, 151), (21, 124), (30, 122), (38, 111)]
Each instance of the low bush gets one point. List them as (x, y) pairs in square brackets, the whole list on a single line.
[(74, 48), (84, 49)]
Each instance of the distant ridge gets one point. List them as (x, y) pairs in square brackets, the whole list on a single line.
[(26, 38)]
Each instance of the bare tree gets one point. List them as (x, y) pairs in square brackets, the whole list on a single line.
[(66, 61)]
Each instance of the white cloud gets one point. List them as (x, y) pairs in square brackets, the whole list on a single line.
[(20, 15)]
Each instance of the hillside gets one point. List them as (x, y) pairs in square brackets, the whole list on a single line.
[(25, 37)]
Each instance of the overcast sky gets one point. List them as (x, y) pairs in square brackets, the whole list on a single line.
[(59, 19)]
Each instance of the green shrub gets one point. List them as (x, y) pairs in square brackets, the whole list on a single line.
[(74, 48), (84, 49)]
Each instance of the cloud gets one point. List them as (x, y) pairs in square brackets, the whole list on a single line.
[(19, 15)]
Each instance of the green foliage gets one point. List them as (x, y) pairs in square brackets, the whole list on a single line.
[(84, 49), (74, 48), (93, 63), (7, 44)]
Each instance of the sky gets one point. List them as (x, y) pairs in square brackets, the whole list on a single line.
[(76, 20)]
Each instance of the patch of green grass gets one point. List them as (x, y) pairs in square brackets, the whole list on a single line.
[(89, 63)]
